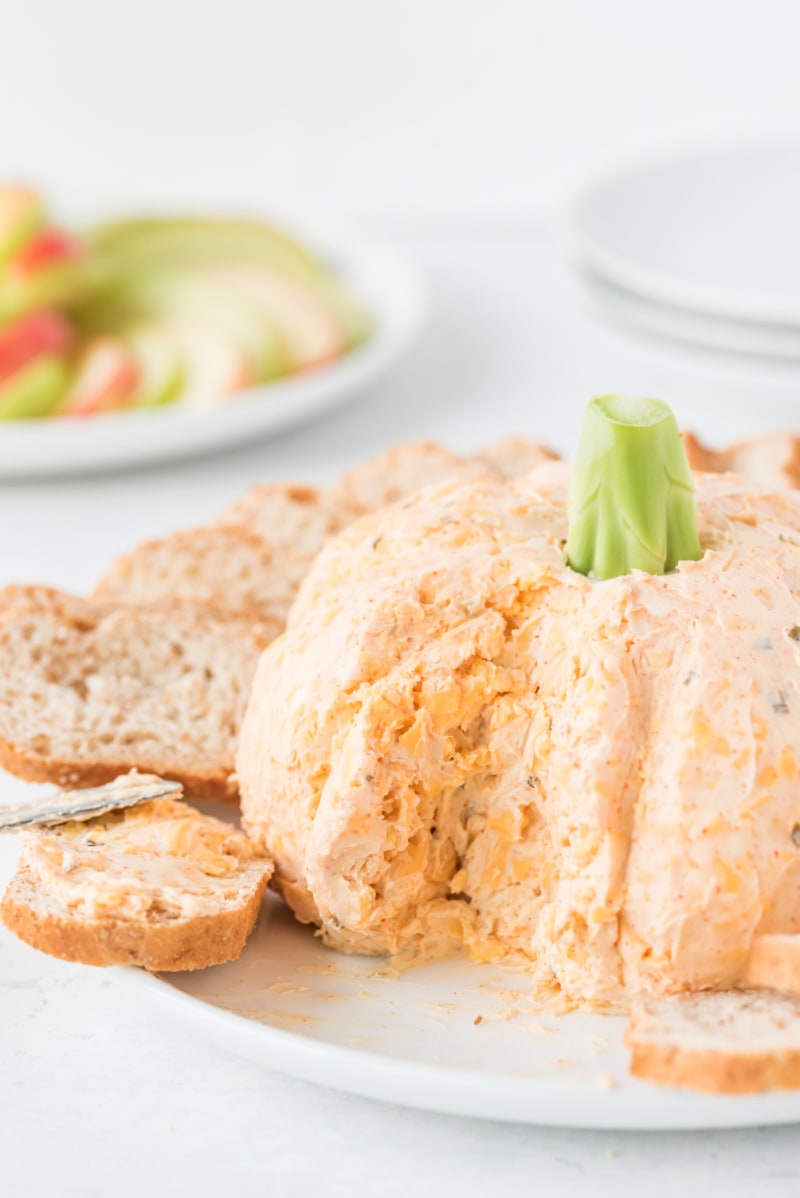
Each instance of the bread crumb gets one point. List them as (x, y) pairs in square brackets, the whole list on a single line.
[(282, 987), (478, 1019), (603, 1081)]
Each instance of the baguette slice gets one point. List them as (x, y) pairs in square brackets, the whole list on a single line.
[(773, 459), (88, 611), (161, 690), (157, 885), (293, 520), (774, 963), (726, 1042), (37, 595), (701, 457), (225, 566), (515, 456), (402, 470)]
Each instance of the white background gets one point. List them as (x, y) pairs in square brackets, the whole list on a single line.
[(461, 122), (418, 107)]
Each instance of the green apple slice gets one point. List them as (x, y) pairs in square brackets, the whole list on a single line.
[(153, 240), (153, 245), (214, 365), (306, 325), (161, 370), (35, 391), (197, 295), (59, 286), (21, 217)]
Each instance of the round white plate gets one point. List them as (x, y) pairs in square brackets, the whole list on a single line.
[(775, 342), (451, 1036), (380, 276), (713, 231)]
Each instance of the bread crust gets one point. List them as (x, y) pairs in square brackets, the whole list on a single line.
[(216, 787), (515, 456), (735, 1041), (774, 963), (714, 1072), (165, 946)]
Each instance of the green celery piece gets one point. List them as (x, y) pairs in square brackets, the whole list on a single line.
[(631, 501)]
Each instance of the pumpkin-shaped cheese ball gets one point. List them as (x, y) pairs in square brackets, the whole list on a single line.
[(462, 740)]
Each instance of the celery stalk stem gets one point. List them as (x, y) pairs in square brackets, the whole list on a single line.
[(631, 502)]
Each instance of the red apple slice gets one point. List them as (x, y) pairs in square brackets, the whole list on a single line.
[(21, 217), (50, 248), (107, 377), (31, 337)]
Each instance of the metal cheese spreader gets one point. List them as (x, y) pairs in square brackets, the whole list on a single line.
[(67, 805)]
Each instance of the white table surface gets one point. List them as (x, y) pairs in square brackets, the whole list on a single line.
[(100, 1095)]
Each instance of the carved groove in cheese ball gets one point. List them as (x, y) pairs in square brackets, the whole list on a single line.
[(462, 740)]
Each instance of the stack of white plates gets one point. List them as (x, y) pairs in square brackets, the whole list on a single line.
[(702, 248)]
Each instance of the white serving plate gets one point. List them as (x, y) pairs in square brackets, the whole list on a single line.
[(778, 343), (380, 276), (712, 231), (414, 1037)]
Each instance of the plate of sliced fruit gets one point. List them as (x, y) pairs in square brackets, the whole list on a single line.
[(151, 336)]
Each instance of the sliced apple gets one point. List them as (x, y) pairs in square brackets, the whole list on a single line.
[(31, 337), (107, 377), (193, 294), (162, 243), (50, 248), (243, 302), (21, 216), (49, 271), (161, 371), (36, 390), (214, 365), (310, 333), (158, 240)]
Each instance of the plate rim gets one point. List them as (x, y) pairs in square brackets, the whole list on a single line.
[(654, 285), (759, 344), (447, 1089)]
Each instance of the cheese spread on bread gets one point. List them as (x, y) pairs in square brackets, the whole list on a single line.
[(161, 856)]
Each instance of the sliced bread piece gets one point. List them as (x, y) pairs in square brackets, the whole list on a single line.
[(227, 566), (293, 520), (774, 962), (515, 456), (87, 611), (391, 476), (701, 457), (772, 459), (38, 595), (160, 690), (157, 885), (728, 1042)]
